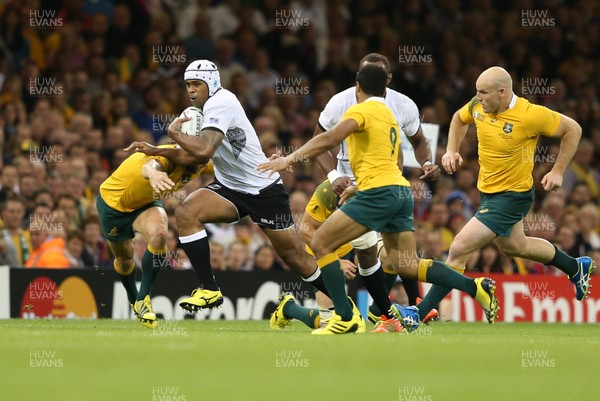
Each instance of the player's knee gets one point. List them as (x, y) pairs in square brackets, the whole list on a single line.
[(319, 245), (185, 216), (318, 248), (457, 249), (367, 257), (124, 266), (157, 237)]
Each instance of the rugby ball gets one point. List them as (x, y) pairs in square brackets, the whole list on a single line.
[(193, 126)]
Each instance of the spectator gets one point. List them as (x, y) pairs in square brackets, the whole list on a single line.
[(432, 246), (581, 170), (459, 203), (75, 247), (153, 107), (9, 182), (67, 204), (298, 202), (579, 194), (176, 257), (49, 251), (11, 35), (43, 196), (13, 214), (238, 257), (587, 220), (567, 241), (489, 260), (8, 253), (224, 59), (95, 249), (200, 45), (264, 259), (438, 220), (261, 76), (217, 255)]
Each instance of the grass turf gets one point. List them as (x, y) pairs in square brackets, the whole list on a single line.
[(244, 360)]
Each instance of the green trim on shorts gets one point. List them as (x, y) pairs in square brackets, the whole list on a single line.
[(118, 226), (386, 209), (501, 211)]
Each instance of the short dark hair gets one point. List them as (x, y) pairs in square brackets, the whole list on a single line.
[(372, 79), (375, 58)]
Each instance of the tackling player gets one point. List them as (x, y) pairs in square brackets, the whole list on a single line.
[(129, 203)]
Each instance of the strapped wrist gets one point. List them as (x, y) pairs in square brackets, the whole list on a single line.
[(333, 175)]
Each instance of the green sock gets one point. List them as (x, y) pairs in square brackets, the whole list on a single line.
[(334, 281), (564, 262), (390, 280), (130, 286), (151, 265), (308, 316), (435, 272), (434, 296)]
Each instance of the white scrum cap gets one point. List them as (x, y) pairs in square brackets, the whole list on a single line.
[(206, 71)]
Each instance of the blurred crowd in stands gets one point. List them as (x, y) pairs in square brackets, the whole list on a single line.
[(80, 80)]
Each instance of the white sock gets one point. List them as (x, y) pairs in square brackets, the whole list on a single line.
[(192, 237), (370, 270), (313, 276)]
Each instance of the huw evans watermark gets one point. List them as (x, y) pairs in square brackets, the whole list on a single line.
[(168, 55), (45, 87), (290, 359), (44, 19), (537, 19), (414, 55), (167, 393), (290, 19), (536, 359), (537, 87), (413, 393), (44, 359), (291, 87)]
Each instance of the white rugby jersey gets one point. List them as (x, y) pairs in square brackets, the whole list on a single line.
[(236, 158), (404, 109)]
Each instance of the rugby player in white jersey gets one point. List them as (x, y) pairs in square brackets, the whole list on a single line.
[(229, 140)]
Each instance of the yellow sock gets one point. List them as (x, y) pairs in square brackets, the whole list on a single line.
[(424, 265)]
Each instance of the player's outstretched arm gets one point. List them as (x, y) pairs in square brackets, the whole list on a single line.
[(154, 172), (456, 134), (312, 148), (325, 160), (424, 156), (176, 155), (569, 132), (201, 147)]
